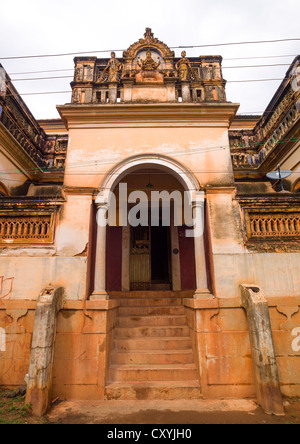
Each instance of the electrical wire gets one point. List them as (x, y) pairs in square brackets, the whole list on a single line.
[(42, 78), (164, 173), (261, 57), (171, 47), (229, 81), (231, 59), (256, 66), (70, 77), (207, 149), (97, 163)]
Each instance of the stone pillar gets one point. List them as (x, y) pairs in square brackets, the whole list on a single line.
[(186, 92), (171, 90), (113, 93), (103, 95), (39, 378), (263, 354), (100, 261), (127, 92), (202, 291)]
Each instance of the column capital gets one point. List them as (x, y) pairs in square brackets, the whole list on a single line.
[(198, 198), (101, 201)]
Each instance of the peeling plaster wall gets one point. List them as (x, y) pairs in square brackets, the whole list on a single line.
[(278, 274), (204, 150), (73, 230), (29, 269), (25, 276)]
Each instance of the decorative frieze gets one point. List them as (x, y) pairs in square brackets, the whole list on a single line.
[(29, 220), (17, 120), (255, 153), (271, 221), (18, 132), (251, 148)]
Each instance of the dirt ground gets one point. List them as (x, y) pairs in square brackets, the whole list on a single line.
[(170, 412), (15, 411)]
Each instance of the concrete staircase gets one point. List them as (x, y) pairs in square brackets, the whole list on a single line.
[(152, 356)]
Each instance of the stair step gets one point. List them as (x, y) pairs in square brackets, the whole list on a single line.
[(151, 321), (160, 302), (153, 354), (153, 390), (137, 332), (152, 372), (153, 357), (134, 344), (151, 311), (150, 294)]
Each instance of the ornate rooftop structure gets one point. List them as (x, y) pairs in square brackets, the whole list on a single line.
[(148, 72)]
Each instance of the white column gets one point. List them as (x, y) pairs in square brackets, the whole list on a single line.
[(202, 291), (100, 261)]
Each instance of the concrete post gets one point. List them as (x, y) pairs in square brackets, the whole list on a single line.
[(263, 354), (39, 378)]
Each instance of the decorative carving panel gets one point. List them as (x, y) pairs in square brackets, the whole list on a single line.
[(17, 229), (262, 225), (21, 125), (273, 131)]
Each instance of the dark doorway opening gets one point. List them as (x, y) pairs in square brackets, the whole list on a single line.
[(150, 264), (160, 254)]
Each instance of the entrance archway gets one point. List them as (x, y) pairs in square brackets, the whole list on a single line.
[(163, 163), (137, 173)]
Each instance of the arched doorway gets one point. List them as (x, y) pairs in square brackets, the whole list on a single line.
[(154, 255), (146, 255)]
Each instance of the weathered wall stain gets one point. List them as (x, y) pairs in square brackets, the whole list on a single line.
[(6, 287)]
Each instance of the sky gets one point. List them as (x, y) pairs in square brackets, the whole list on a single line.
[(35, 27)]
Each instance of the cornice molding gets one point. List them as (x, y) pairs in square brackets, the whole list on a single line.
[(148, 115), (17, 155)]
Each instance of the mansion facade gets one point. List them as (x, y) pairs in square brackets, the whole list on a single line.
[(205, 306)]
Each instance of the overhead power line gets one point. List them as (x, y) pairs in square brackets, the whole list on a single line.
[(76, 167), (261, 57), (230, 81), (69, 77), (42, 78), (40, 72), (256, 66), (231, 59), (172, 47), (257, 80), (41, 93)]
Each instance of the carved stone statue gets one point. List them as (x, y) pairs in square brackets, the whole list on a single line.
[(148, 64), (112, 69), (184, 67), (149, 71)]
